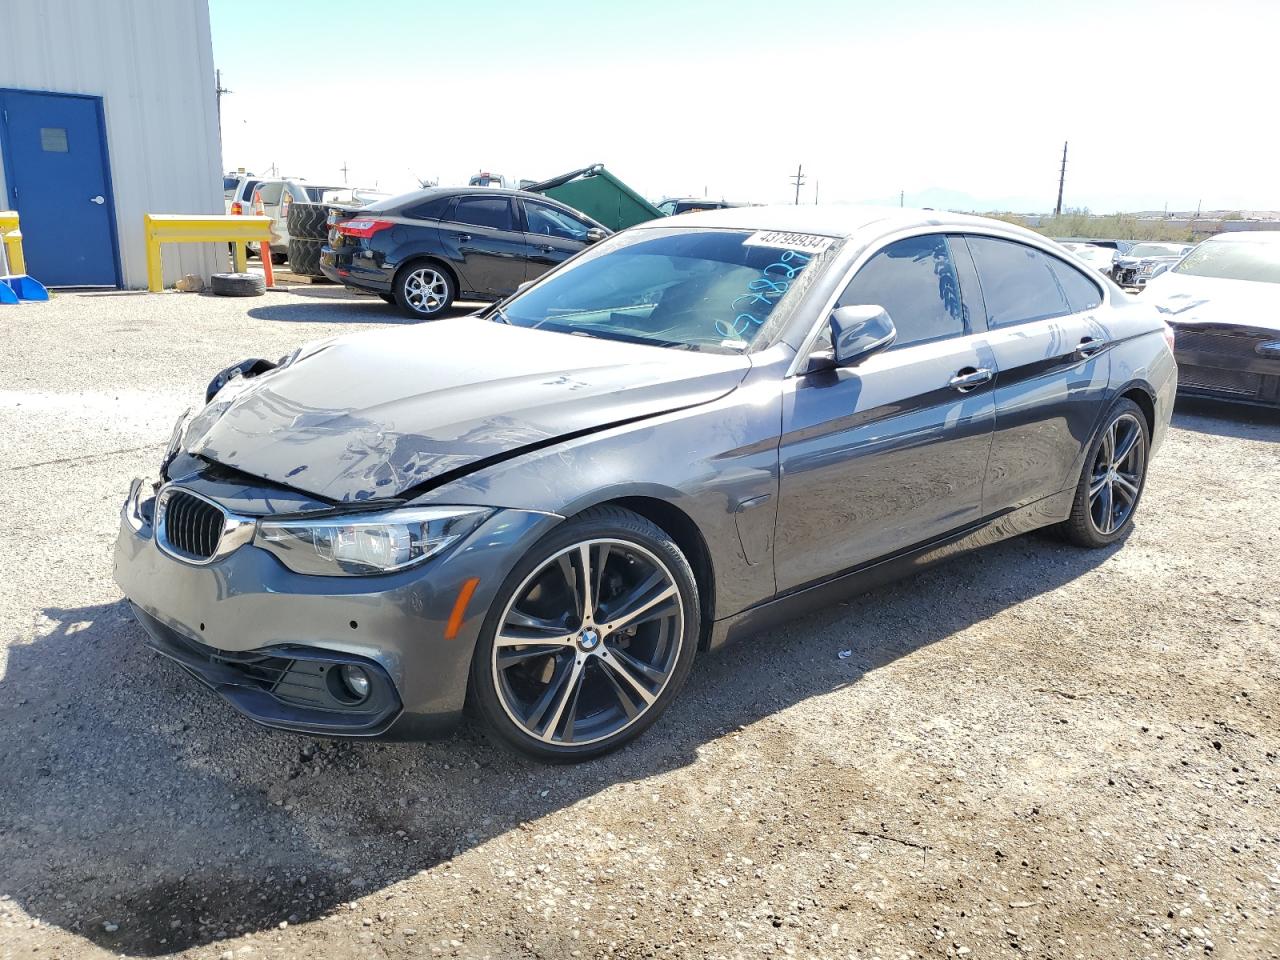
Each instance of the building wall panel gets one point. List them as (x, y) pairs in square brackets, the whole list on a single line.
[(152, 63)]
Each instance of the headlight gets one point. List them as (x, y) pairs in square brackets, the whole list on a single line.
[(367, 543)]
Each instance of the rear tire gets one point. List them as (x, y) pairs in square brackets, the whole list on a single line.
[(610, 608), (1112, 481), (237, 285), (423, 289)]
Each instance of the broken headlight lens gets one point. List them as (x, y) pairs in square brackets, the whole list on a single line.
[(368, 543)]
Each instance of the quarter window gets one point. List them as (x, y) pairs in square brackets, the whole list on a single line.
[(547, 221), (915, 281), (271, 193), (1018, 282), (1082, 293), (492, 212), (433, 209)]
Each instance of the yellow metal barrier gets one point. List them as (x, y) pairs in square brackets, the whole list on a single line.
[(12, 239), (205, 228)]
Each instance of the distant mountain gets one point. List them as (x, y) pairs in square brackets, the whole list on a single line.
[(941, 198)]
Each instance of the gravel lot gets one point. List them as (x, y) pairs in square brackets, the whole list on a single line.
[(1035, 751)]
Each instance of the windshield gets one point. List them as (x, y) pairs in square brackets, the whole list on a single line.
[(1234, 260), (708, 290), (1155, 250)]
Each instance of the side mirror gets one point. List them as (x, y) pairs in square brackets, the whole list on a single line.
[(1160, 268), (595, 235), (859, 331)]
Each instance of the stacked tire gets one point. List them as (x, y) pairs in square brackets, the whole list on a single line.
[(308, 230)]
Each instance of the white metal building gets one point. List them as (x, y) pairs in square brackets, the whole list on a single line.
[(108, 111)]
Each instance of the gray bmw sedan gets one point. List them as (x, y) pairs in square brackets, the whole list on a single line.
[(685, 432)]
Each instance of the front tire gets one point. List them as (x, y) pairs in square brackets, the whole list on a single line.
[(424, 290), (589, 639), (1114, 475)]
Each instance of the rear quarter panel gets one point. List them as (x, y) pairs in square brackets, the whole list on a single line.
[(1140, 358)]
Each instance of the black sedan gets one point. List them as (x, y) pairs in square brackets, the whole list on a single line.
[(422, 250), (698, 427)]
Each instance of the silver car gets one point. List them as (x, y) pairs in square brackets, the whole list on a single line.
[(688, 431)]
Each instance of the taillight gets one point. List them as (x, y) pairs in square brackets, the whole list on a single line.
[(1169, 337), (363, 228), (237, 208)]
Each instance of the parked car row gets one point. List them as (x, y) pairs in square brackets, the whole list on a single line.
[(1145, 260)]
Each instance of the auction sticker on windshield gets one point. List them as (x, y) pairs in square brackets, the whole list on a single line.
[(806, 242)]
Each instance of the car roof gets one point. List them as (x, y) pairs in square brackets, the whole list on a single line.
[(837, 220), (1247, 236)]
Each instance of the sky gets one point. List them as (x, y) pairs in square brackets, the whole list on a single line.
[(962, 104)]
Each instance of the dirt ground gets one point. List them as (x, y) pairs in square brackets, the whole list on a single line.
[(1032, 751)]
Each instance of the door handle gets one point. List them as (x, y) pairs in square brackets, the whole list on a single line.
[(968, 378), (464, 237), (99, 199), (1088, 347), (547, 248)]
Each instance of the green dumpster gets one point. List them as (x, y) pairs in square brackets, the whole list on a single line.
[(600, 195)]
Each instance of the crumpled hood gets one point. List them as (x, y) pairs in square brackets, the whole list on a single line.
[(370, 415), (1182, 298)]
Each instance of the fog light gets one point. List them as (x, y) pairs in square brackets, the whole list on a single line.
[(355, 680)]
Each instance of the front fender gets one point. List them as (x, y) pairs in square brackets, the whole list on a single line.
[(716, 463)]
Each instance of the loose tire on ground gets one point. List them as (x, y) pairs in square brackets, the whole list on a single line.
[(237, 285), (1113, 478), (308, 221), (644, 623), (304, 257)]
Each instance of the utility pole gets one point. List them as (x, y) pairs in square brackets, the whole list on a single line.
[(343, 168), (218, 91), (816, 185), (902, 194), (1062, 178), (798, 179)]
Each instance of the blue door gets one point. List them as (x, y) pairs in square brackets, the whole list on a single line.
[(56, 176)]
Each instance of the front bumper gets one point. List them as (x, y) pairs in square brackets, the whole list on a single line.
[(1228, 363), (264, 637)]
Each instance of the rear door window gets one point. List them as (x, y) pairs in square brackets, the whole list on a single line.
[(1018, 282), (915, 281), (492, 212)]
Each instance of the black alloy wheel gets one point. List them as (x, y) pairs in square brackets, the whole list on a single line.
[(1112, 481)]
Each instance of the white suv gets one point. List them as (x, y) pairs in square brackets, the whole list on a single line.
[(278, 194)]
